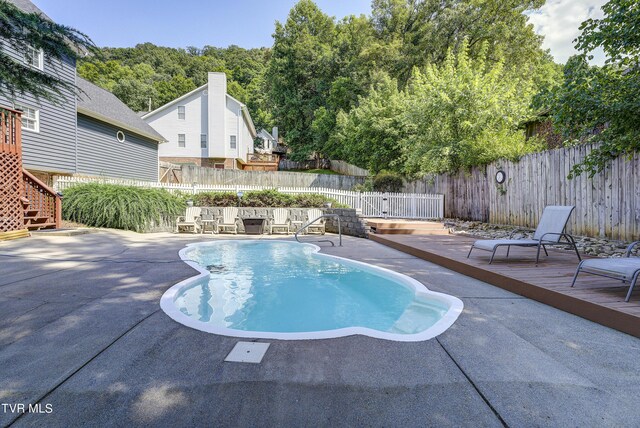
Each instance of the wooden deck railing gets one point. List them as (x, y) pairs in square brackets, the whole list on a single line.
[(43, 199), (262, 157), (11, 141), (11, 184)]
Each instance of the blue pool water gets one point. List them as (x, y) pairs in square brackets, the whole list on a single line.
[(276, 287)]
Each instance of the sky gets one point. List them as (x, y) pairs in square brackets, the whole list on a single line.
[(559, 20), (250, 23)]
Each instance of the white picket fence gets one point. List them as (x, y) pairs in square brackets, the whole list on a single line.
[(371, 204)]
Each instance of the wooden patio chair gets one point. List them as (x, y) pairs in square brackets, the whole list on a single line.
[(625, 269), (190, 220), (317, 226), (229, 220), (280, 220), (550, 231)]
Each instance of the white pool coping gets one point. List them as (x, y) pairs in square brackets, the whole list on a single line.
[(455, 305)]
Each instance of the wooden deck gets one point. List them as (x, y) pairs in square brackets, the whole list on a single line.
[(595, 298)]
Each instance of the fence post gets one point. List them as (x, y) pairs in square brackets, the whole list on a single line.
[(385, 205), (414, 214)]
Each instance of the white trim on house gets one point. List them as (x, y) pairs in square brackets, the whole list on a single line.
[(246, 116), (25, 118), (245, 111), (177, 100), (118, 124), (34, 58), (208, 110)]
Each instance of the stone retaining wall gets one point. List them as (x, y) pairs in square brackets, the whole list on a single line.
[(351, 223)]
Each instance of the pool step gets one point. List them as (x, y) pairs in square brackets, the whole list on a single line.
[(406, 227), (413, 319)]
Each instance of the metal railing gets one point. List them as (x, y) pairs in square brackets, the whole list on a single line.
[(304, 226)]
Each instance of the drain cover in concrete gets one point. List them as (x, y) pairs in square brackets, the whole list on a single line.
[(247, 352)]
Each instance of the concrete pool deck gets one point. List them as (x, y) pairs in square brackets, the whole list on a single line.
[(82, 333)]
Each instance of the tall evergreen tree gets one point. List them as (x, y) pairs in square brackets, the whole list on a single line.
[(23, 31)]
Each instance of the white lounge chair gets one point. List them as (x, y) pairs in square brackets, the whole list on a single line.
[(280, 220), (625, 269), (229, 220), (189, 220), (549, 232), (317, 226)]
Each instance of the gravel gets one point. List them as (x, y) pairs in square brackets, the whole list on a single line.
[(600, 247)]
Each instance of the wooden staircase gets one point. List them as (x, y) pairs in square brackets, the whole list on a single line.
[(34, 220), (26, 203), (406, 227), (41, 204)]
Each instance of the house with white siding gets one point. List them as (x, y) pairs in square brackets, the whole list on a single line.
[(206, 127)]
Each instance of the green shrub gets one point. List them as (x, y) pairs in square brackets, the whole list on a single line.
[(263, 198), (215, 199), (367, 186), (311, 200), (120, 207), (387, 181), (266, 198)]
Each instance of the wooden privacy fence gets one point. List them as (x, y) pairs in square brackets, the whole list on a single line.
[(211, 176), (338, 166), (401, 205), (607, 204), (348, 169)]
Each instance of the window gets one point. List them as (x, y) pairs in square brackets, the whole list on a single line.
[(203, 141), (181, 140), (30, 118), (180, 112), (34, 58), (232, 141)]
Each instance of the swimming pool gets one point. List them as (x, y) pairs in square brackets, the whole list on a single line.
[(287, 290)]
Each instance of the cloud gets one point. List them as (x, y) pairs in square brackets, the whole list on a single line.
[(559, 21)]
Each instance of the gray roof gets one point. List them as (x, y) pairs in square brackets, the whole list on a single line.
[(265, 134), (29, 7), (103, 105)]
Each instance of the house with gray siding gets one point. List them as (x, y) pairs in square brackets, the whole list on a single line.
[(89, 133), (112, 140), (47, 128)]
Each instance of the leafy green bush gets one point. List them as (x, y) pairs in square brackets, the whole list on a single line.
[(263, 198), (312, 200), (367, 186), (214, 199), (120, 207), (387, 181), (266, 198)]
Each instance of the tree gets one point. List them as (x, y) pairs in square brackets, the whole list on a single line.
[(148, 72), (369, 134), (605, 98), (299, 75), (24, 31), (351, 72), (416, 33), (173, 88), (464, 113)]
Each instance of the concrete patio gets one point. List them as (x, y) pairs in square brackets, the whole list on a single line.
[(82, 333)]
